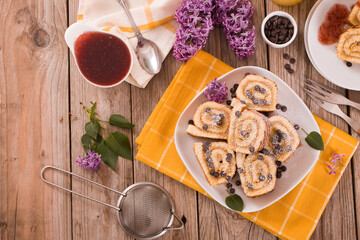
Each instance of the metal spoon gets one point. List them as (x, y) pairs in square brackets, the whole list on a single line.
[(147, 52)]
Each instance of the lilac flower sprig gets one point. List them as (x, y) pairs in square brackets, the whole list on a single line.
[(194, 18), (216, 91), (334, 161), (91, 161), (236, 18)]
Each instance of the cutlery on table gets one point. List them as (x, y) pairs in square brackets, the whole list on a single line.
[(327, 98), (146, 50)]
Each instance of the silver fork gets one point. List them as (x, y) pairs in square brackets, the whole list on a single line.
[(327, 94), (333, 108)]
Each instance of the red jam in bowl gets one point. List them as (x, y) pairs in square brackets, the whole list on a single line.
[(102, 58)]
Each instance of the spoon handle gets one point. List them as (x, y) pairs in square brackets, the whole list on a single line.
[(133, 24)]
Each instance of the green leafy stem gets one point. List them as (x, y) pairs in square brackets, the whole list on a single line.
[(114, 145)]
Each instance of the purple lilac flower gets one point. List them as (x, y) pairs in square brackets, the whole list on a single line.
[(335, 160), (91, 161), (235, 16), (216, 91), (194, 18)]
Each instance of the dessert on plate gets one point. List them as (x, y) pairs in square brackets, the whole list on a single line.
[(217, 161), (211, 120), (348, 48), (354, 16)]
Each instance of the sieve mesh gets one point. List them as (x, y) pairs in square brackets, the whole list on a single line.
[(145, 211)]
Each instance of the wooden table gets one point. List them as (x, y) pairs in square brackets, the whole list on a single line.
[(41, 122)]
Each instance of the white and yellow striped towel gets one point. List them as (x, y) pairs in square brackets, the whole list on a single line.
[(154, 18)]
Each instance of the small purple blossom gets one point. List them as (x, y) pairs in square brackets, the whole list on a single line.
[(335, 160), (194, 18), (216, 91), (91, 161)]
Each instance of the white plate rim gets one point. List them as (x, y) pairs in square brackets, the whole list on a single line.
[(176, 140)]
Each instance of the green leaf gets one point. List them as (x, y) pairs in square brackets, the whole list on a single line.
[(234, 202), (92, 112), (120, 121), (92, 128), (107, 156), (314, 140), (90, 143), (119, 144)]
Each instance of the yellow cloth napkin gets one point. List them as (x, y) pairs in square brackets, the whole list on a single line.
[(296, 215), (155, 19)]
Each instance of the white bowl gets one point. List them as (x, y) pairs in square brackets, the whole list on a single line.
[(75, 30), (281, 14)]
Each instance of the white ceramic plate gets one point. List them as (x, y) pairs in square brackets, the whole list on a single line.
[(323, 57), (298, 166)]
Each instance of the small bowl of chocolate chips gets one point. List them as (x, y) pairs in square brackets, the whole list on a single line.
[(279, 29)]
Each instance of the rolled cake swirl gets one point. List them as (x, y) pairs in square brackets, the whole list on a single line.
[(257, 173), (258, 93), (217, 161), (283, 139), (348, 48), (248, 130), (211, 120), (354, 16)]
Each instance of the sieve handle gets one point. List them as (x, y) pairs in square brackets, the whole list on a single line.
[(76, 193), (179, 220)]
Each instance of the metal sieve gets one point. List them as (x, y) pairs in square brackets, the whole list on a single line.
[(145, 210)]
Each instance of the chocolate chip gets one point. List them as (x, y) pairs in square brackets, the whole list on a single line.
[(205, 148), (243, 133), (207, 144), (236, 86), (278, 163), (283, 108), (222, 116), (262, 178), (240, 170), (264, 102), (283, 136), (219, 123), (276, 152), (205, 127), (233, 95), (251, 97), (228, 178), (232, 90), (270, 176), (278, 174), (278, 106), (296, 126), (256, 101), (252, 149), (257, 88), (209, 159), (228, 185), (283, 168), (262, 91), (216, 174), (278, 132), (211, 165), (349, 64), (279, 169), (242, 102), (275, 138), (291, 71), (238, 183), (247, 92), (249, 185), (208, 152), (238, 113), (232, 190), (207, 110), (286, 56), (260, 157), (222, 174), (287, 66), (211, 172), (292, 60), (288, 148), (228, 102), (191, 122), (265, 151), (229, 155)]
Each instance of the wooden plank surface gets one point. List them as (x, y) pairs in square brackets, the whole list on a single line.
[(33, 119), (40, 85)]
